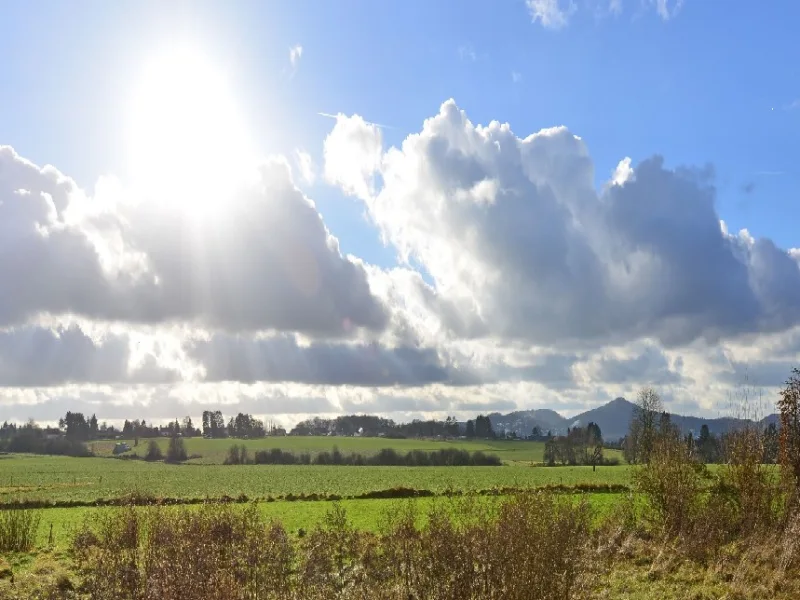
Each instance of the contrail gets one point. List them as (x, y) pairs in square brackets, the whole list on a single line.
[(378, 125)]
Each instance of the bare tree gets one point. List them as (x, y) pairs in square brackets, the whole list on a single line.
[(645, 423), (789, 408)]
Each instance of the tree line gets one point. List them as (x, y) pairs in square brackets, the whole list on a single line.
[(387, 457), (651, 423), (32, 439), (375, 426), (581, 446)]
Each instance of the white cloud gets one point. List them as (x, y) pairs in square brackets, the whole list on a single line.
[(556, 14), (295, 54), (305, 166), (552, 14), (667, 9), (545, 258), (264, 260), (539, 289), (353, 154)]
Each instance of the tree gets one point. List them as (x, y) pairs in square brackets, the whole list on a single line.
[(647, 418), (470, 428), (771, 444), (217, 424), (93, 429), (75, 425), (176, 451), (789, 409), (594, 444), (483, 427), (153, 451), (213, 424), (707, 446), (550, 453)]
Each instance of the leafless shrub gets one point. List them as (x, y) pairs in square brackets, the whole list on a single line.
[(527, 546), (672, 483), (789, 408)]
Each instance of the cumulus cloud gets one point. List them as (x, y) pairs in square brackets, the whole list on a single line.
[(281, 358), (521, 246), (521, 285), (160, 403), (265, 260), (646, 366), (352, 154), (305, 166), (43, 357)]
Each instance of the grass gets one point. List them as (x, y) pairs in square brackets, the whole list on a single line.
[(215, 451), (56, 478), (364, 515), (64, 479)]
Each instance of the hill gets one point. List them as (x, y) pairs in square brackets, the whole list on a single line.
[(614, 419), (523, 421)]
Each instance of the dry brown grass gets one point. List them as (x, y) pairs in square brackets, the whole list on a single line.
[(527, 546)]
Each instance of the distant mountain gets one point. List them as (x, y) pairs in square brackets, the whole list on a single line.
[(522, 422), (613, 418)]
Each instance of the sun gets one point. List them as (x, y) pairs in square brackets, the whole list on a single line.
[(188, 147)]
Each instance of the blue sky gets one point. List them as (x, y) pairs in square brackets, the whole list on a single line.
[(698, 88), (531, 281)]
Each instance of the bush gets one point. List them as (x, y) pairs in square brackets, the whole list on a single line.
[(529, 546), (233, 457), (387, 457), (671, 483), (749, 485), (153, 451), (176, 452), (31, 443), (275, 456), (18, 528)]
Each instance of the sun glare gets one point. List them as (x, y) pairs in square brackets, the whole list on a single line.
[(187, 142)]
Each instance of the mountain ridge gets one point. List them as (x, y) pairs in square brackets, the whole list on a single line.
[(613, 418)]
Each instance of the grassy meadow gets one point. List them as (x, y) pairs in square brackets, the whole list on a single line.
[(60, 480), (306, 514), (65, 479), (214, 451)]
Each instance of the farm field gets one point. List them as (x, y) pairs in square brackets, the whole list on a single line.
[(364, 514), (214, 451), (65, 479)]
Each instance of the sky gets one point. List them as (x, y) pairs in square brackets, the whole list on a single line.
[(408, 208)]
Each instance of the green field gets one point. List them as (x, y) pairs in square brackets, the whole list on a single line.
[(54, 478), (281, 493), (57, 479), (366, 515), (214, 451)]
